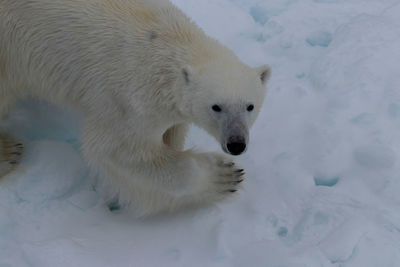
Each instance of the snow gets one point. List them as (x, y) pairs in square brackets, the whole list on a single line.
[(320, 38), (323, 175)]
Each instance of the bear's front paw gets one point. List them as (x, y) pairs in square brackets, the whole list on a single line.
[(225, 176)]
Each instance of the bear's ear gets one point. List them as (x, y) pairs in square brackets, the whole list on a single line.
[(264, 73), (187, 74)]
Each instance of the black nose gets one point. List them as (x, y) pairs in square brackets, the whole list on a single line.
[(236, 148)]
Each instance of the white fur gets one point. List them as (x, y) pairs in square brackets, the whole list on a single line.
[(140, 71)]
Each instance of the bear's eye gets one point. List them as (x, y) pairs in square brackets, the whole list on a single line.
[(216, 108), (250, 108)]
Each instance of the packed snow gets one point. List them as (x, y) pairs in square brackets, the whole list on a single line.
[(323, 173)]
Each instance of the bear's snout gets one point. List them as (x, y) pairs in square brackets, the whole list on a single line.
[(236, 145)]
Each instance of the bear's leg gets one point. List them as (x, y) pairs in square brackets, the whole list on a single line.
[(154, 176), (172, 180), (10, 149), (175, 136)]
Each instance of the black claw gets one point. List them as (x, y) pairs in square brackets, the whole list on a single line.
[(13, 162), (114, 206), (237, 182), (240, 174), (239, 171), (16, 153), (233, 190)]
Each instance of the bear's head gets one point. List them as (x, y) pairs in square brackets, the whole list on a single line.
[(225, 99)]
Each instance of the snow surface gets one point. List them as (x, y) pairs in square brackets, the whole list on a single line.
[(323, 173)]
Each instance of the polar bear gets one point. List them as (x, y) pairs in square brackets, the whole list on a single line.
[(140, 72)]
